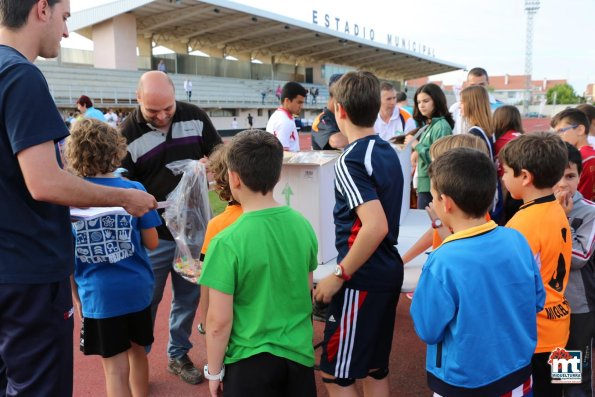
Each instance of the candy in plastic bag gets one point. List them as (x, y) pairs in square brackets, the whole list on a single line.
[(187, 214)]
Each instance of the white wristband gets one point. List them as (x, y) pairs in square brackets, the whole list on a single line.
[(218, 376)]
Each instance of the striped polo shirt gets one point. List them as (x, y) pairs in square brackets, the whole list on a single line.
[(190, 136)]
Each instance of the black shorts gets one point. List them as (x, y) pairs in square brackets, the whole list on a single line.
[(358, 333), (110, 336), (268, 375)]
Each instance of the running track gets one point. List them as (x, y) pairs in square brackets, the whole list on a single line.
[(407, 374)]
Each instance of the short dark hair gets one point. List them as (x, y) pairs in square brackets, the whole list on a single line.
[(332, 81), (478, 72), (543, 154), (440, 106), (14, 13), (574, 157), (386, 86), (359, 94), (401, 96), (587, 109), (256, 156), (467, 176), (291, 90), (84, 100), (334, 78), (573, 116)]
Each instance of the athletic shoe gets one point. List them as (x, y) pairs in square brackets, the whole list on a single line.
[(185, 369)]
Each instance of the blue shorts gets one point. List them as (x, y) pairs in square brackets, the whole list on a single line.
[(358, 333), (36, 319)]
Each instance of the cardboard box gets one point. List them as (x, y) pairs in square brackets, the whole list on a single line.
[(307, 184)]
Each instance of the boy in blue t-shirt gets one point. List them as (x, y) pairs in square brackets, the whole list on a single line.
[(363, 293), (475, 304), (113, 280)]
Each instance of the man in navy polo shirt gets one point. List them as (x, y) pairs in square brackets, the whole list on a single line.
[(36, 247)]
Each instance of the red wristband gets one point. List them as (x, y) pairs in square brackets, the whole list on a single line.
[(344, 275)]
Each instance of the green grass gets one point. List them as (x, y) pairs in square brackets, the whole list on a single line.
[(217, 205)]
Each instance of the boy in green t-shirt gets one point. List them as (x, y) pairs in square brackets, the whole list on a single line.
[(259, 274)]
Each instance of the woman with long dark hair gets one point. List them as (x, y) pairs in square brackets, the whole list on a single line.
[(431, 112)]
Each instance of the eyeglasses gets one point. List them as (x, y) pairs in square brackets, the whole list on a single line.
[(563, 130)]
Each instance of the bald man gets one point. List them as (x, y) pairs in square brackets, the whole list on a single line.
[(159, 131)]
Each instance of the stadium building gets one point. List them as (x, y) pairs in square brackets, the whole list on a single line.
[(232, 54)]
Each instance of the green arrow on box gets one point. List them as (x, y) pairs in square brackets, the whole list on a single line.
[(287, 192)]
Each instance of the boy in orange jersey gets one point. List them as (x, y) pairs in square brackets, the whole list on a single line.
[(533, 164), (218, 167)]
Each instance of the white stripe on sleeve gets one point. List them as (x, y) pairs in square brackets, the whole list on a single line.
[(349, 187), (368, 158)]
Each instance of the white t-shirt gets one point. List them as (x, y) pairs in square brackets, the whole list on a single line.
[(111, 119), (394, 126), (282, 125)]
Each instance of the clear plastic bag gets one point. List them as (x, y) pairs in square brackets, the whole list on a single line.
[(186, 216)]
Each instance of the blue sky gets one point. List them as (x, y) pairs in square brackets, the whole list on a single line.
[(487, 33)]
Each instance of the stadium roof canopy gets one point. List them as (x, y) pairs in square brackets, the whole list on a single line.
[(221, 27)]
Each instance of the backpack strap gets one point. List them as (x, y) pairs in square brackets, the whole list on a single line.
[(480, 133)]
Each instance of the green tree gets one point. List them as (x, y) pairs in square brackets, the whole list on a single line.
[(563, 93)]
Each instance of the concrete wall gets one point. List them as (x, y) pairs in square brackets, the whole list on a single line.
[(114, 43)]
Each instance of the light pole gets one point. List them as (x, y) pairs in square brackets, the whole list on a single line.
[(531, 8)]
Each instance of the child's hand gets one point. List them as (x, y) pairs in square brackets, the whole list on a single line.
[(215, 388), (431, 212), (565, 200), (327, 288), (413, 162), (411, 138)]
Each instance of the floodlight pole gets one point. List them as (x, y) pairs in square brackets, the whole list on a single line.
[(531, 8)]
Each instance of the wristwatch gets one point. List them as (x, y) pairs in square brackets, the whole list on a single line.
[(437, 223), (218, 376), (340, 272)]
